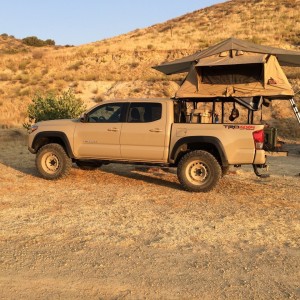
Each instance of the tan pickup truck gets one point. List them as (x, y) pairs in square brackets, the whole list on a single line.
[(151, 132)]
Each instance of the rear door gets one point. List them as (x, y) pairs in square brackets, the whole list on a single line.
[(143, 136), (99, 137)]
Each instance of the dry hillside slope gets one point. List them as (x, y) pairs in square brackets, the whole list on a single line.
[(121, 66)]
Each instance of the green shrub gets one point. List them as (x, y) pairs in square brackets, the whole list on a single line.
[(49, 42), (52, 107), (36, 42)]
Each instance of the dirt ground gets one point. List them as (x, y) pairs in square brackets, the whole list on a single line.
[(123, 232)]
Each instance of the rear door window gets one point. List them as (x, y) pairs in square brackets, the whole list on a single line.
[(144, 112)]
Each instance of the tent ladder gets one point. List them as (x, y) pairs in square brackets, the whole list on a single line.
[(295, 109)]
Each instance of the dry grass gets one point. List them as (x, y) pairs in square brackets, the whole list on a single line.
[(130, 233)]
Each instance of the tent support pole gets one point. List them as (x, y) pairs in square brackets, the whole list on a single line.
[(250, 116), (213, 111), (223, 112)]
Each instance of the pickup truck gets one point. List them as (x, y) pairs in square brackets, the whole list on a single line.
[(157, 132)]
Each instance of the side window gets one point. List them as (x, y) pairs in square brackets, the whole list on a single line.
[(144, 112), (107, 113)]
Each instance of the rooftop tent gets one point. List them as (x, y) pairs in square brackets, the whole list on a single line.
[(285, 57), (236, 74), (234, 68)]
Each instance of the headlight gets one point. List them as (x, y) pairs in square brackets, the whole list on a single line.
[(33, 128)]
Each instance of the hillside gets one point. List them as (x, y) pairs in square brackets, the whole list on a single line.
[(121, 66)]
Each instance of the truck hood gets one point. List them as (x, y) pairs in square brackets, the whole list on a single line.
[(56, 123)]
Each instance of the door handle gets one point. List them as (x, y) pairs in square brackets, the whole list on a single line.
[(155, 130), (113, 129)]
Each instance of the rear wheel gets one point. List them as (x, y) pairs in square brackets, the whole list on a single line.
[(199, 171), (53, 162)]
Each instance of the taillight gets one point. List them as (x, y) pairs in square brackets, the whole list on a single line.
[(259, 137)]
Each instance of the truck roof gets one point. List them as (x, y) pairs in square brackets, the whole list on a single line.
[(138, 100)]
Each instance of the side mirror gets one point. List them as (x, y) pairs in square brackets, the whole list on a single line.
[(84, 118)]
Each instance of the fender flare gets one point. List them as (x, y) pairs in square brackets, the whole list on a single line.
[(208, 140), (50, 135)]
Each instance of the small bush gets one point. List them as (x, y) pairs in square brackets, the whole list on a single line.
[(256, 40), (150, 47), (23, 64), (98, 98), (73, 84), (36, 42), (12, 66), (95, 90), (25, 92), (76, 66), (37, 55), (49, 42), (45, 71), (137, 90), (4, 77), (52, 107), (90, 77), (166, 92), (24, 79), (134, 65)]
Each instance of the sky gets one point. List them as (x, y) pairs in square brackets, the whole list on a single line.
[(76, 22)]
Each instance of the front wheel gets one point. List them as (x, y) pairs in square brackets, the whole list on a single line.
[(199, 171), (53, 162)]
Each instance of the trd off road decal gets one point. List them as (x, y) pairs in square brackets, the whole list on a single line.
[(240, 127)]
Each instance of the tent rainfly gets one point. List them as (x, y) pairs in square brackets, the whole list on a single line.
[(234, 69)]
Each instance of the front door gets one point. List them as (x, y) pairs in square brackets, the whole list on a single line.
[(99, 137)]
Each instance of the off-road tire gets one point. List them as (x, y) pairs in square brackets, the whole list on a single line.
[(198, 171), (88, 165), (53, 162)]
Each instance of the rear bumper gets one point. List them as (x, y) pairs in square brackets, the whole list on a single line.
[(260, 157)]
